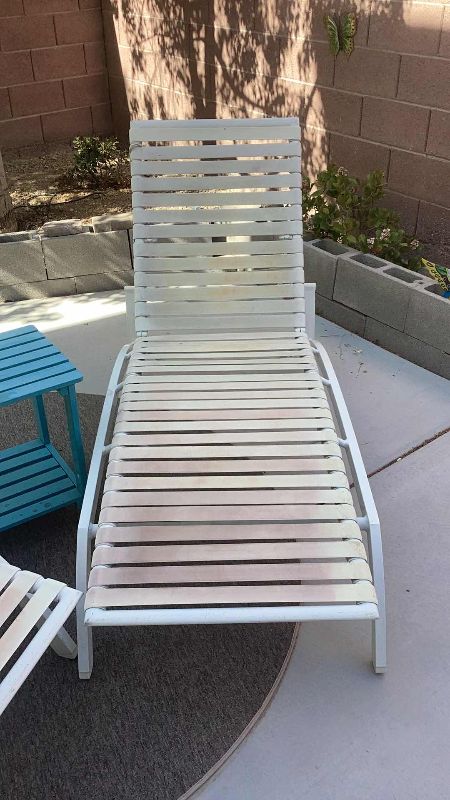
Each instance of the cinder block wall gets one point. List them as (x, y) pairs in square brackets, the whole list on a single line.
[(53, 79), (386, 107)]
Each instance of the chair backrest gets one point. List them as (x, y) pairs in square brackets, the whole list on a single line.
[(217, 225)]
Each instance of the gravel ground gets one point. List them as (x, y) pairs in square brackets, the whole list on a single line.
[(33, 174)]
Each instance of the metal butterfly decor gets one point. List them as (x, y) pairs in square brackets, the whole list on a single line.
[(440, 274), (341, 30)]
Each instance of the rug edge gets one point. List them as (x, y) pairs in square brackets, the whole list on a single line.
[(257, 717)]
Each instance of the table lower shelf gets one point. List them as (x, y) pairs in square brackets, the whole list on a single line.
[(34, 480)]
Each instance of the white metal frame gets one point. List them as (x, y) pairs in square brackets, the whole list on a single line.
[(368, 522), (50, 633)]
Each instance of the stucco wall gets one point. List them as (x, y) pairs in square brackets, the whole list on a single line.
[(385, 107), (53, 80)]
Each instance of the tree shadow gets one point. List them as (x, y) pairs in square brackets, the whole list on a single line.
[(222, 58)]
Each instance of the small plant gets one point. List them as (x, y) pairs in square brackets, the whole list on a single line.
[(341, 32), (346, 209), (98, 163)]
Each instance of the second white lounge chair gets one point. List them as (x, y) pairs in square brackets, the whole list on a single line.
[(227, 445), (33, 611)]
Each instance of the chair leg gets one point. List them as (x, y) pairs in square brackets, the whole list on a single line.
[(379, 656), (85, 648), (84, 633), (62, 644)]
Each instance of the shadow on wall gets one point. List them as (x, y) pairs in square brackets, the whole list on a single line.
[(214, 58)]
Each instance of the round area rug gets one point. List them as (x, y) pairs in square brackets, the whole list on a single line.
[(164, 704)]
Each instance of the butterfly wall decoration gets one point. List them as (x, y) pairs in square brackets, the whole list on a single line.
[(341, 30)]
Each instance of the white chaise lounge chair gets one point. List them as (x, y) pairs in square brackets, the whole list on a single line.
[(29, 602), (226, 496)]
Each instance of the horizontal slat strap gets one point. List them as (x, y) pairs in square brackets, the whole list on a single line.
[(217, 130), (254, 385), (225, 293), (251, 365), (113, 534), (244, 248), (148, 264), (227, 573), (227, 307), (154, 231), (15, 592), (305, 416), (170, 399), (309, 383), (139, 364), (217, 199), (243, 362), (123, 499), (120, 483), (292, 513), (120, 464), (7, 572), (243, 551), (271, 370), (208, 278), (221, 182), (241, 214), (130, 425), (361, 592), (227, 438), (225, 451), (217, 166), (208, 323), (171, 152), (199, 336), (143, 401), (145, 345), (24, 623)]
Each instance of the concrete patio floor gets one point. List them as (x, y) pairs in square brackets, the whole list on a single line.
[(336, 731)]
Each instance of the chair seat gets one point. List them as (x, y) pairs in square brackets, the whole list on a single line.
[(226, 483)]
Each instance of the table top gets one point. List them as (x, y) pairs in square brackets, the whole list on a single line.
[(30, 365)]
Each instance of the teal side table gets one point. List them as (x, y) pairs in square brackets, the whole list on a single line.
[(34, 478)]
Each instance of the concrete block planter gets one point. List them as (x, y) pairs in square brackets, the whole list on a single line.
[(66, 257), (400, 310), (321, 257), (371, 286), (428, 318), (21, 259), (69, 256)]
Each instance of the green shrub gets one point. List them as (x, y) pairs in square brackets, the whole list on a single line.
[(346, 209), (98, 163)]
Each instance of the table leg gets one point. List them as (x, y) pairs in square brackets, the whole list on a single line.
[(41, 418), (73, 423)]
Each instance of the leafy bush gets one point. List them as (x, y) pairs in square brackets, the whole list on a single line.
[(98, 163), (341, 207)]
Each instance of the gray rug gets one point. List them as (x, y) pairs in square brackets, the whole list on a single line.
[(163, 704)]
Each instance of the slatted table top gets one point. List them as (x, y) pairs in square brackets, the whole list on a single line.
[(31, 365), (226, 482)]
